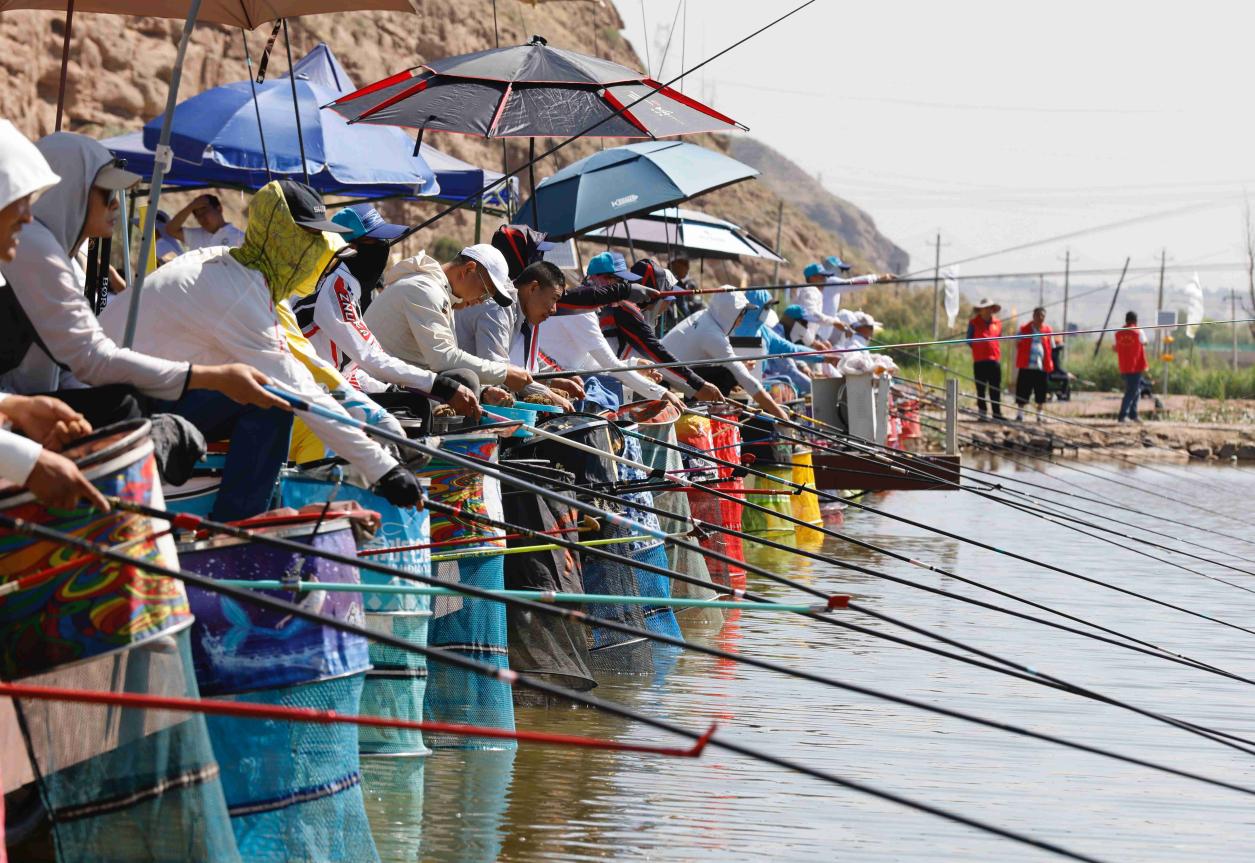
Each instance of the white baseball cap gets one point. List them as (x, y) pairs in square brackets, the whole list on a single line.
[(493, 262)]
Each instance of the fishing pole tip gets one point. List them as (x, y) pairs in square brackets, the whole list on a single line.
[(699, 745)]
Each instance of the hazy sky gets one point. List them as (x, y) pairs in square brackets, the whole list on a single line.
[(998, 123)]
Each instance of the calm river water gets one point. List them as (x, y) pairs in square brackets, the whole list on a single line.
[(550, 804)]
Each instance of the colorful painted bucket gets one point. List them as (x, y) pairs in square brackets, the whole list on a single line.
[(472, 628), (95, 607), (806, 504), (239, 647), (772, 494)]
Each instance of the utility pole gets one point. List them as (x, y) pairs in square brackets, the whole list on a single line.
[(936, 287), (1067, 274), (775, 274), (1163, 259), (1233, 316), (1041, 290)]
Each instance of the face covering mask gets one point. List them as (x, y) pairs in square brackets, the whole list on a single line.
[(367, 267), (289, 256)]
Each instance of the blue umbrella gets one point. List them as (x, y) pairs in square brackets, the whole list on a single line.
[(219, 127), (623, 181)]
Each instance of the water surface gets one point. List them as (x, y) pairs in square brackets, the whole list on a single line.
[(546, 804)]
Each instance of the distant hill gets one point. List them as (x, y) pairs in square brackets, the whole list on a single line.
[(854, 227)]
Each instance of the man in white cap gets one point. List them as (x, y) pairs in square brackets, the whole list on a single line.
[(982, 331), (413, 315), (52, 339), (45, 424)]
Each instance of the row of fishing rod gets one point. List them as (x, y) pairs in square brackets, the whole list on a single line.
[(821, 439)]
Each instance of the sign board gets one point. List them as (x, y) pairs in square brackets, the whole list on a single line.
[(1167, 318), (563, 256)]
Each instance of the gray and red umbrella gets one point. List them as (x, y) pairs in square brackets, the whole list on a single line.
[(530, 91)]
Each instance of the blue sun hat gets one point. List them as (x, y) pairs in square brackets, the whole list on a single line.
[(813, 270), (363, 220), (835, 263), (611, 264)]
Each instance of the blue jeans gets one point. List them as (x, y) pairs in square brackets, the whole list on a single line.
[(259, 448), (1132, 392)]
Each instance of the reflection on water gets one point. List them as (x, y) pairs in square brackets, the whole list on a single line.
[(545, 803)]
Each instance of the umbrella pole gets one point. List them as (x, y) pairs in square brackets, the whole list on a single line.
[(252, 85), (162, 158), (628, 233), (479, 219), (300, 137), (65, 62), (775, 274), (531, 179)]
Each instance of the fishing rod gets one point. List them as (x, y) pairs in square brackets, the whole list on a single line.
[(532, 162), (980, 544), (504, 675), (492, 470), (831, 351), (312, 715), (197, 523), (588, 525)]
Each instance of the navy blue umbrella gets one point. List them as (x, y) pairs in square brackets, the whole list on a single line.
[(219, 127), (624, 181)]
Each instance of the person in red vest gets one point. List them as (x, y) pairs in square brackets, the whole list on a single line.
[(986, 356), (1130, 348), (1034, 361)]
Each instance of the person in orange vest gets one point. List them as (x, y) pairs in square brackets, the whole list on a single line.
[(1130, 348), (986, 356), (1034, 361)]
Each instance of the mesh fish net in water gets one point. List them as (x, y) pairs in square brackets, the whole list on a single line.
[(294, 789), (395, 685), (124, 785), (542, 645)]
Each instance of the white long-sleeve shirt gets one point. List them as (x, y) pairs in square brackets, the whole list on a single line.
[(17, 454), (50, 289), (413, 319), (699, 338), (575, 342), (206, 307), (833, 288), (331, 320)]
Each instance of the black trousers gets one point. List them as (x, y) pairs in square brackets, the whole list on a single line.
[(1030, 381), (988, 374)]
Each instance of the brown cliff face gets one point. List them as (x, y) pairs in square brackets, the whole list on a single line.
[(120, 68)]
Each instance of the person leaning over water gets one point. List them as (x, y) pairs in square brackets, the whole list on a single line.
[(1034, 361), (986, 356), (413, 315), (1130, 347), (331, 318), (51, 339), (219, 304)]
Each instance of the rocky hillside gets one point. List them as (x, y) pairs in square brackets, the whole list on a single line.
[(120, 67)]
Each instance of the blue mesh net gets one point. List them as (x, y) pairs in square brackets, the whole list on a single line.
[(660, 619), (396, 685), (127, 785), (611, 651), (294, 789)]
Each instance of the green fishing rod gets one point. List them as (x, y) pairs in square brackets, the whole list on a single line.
[(579, 617), (493, 470), (839, 351)]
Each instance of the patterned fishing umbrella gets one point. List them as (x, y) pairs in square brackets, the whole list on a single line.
[(625, 181), (529, 91)]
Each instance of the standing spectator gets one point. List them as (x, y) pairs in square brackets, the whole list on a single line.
[(1033, 362), (214, 229), (986, 356), (1130, 348)]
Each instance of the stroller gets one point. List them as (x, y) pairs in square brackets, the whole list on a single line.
[(1059, 381)]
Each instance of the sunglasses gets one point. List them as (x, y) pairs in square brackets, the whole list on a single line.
[(488, 291)]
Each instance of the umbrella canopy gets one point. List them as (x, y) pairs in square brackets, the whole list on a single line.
[(687, 232), (248, 14), (219, 126), (624, 181), (529, 91)]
